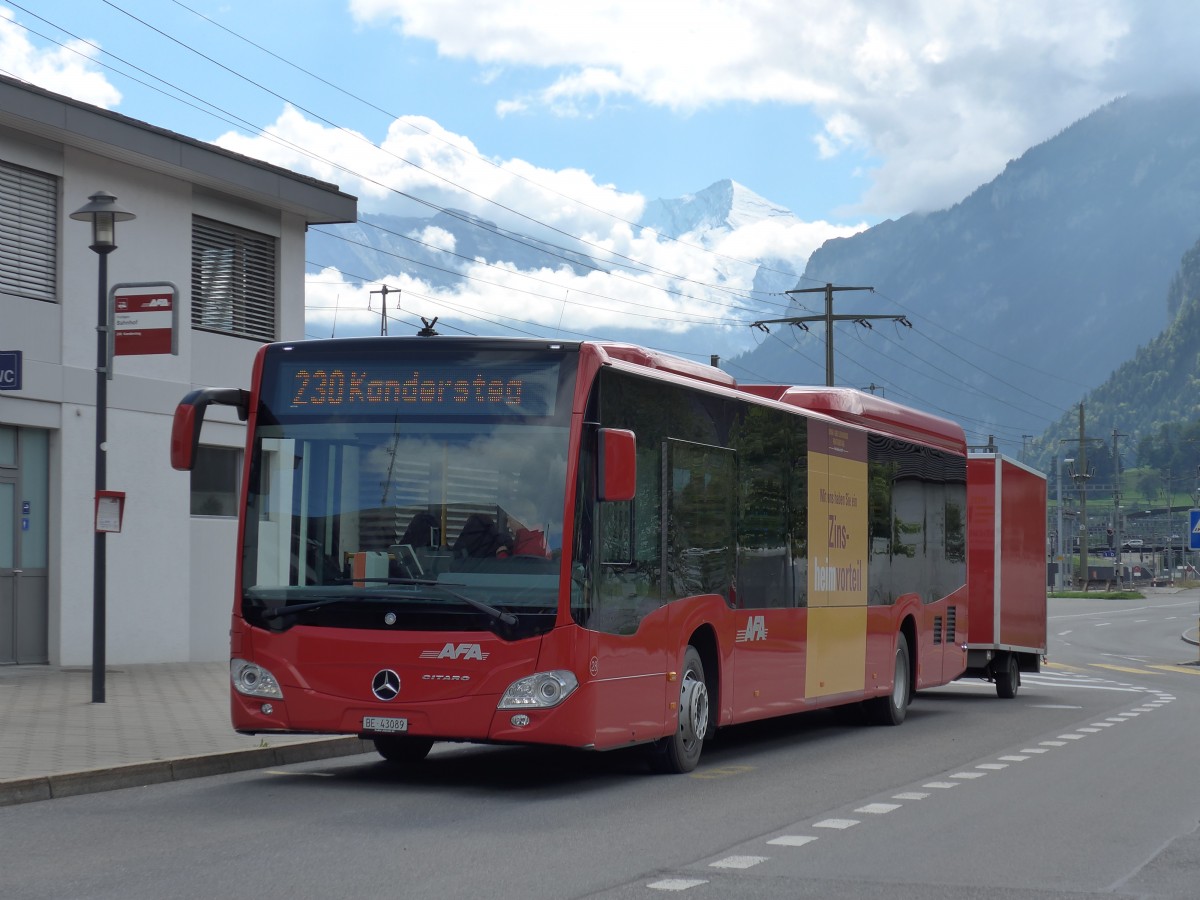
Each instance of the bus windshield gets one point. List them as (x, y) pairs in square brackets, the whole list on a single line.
[(435, 512)]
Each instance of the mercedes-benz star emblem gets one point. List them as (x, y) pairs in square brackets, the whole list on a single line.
[(386, 684)]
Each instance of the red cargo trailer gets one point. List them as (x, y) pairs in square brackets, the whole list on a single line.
[(1006, 570)]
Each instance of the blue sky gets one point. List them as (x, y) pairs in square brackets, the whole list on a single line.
[(575, 114)]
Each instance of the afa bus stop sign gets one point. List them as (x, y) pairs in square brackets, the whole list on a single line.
[(1194, 529), (143, 319)]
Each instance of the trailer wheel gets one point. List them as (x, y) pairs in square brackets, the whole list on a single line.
[(1008, 677), (402, 749), (892, 709), (680, 752)]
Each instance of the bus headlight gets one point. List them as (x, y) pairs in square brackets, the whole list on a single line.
[(540, 691), (253, 680)]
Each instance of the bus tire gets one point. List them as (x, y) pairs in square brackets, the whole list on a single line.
[(679, 753), (399, 749), (892, 708), (1008, 677)]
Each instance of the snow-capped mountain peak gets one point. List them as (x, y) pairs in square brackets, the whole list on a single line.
[(723, 205)]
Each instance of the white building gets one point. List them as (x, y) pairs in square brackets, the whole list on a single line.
[(229, 233)]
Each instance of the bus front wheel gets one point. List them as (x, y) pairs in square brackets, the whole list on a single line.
[(402, 749), (680, 752)]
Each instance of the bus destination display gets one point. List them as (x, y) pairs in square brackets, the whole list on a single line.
[(386, 387)]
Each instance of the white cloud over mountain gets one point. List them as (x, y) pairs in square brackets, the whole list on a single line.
[(941, 94)]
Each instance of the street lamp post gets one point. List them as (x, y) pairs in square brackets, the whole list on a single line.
[(102, 211)]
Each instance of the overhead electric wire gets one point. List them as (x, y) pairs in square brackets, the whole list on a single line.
[(399, 118), (635, 264), (696, 320), (993, 351), (495, 230), (315, 115)]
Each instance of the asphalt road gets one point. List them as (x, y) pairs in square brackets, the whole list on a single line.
[(1084, 785)]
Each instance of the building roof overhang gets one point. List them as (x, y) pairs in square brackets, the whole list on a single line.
[(58, 118)]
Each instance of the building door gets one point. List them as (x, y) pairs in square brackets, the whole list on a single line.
[(24, 533)]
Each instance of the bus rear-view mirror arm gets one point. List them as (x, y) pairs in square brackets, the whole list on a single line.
[(189, 416)]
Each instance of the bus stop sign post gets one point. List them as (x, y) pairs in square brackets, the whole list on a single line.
[(1194, 544)]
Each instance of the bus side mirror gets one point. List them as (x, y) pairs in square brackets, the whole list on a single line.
[(189, 417), (617, 455)]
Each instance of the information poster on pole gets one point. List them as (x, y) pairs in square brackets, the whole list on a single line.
[(110, 510)]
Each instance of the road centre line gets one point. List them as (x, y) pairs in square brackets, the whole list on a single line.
[(738, 862), (791, 840), (839, 824), (676, 884), (877, 808)]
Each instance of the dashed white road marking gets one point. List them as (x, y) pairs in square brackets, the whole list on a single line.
[(800, 840), (676, 884), (840, 824), (791, 840), (738, 862)]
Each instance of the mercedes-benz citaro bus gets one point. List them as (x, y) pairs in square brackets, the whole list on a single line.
[(581, 544)]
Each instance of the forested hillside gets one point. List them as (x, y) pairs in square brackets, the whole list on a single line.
[(1153, 399)]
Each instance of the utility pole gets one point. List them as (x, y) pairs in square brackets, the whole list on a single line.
[(1080, 476), (385, 290), (1118, 544), (1083, 522), (829, 318)]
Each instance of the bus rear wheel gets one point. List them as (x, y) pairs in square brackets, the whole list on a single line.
[(680, 752), (893, 708), (402, 749)]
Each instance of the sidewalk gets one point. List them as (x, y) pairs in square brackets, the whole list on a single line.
[(159, 723)]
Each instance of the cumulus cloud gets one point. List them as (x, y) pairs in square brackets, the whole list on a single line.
[(941, 94), (701, 278), (65, 70)]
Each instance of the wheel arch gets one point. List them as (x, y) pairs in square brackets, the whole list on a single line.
[(908, 628)]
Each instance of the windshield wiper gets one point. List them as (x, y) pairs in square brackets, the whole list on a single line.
[(279, 612), (506, 618)]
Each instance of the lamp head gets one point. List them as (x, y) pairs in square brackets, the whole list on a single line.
[(102, 211)]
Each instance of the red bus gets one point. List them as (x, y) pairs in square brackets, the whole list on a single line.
[(579, 544)]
